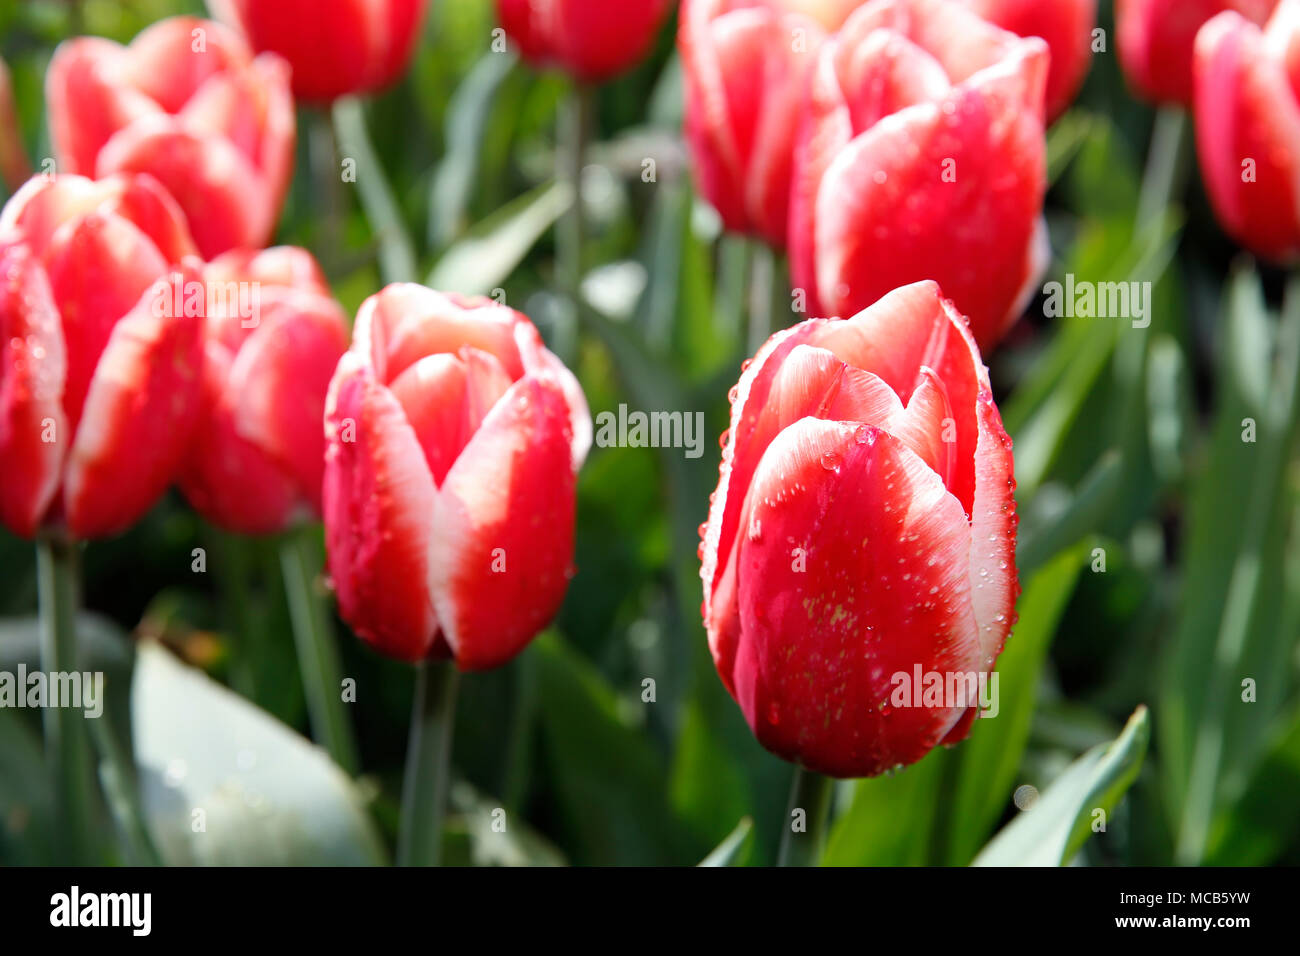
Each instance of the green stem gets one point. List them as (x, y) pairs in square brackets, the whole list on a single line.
[(318, 655), (810, 794), (428, 764), (66, 744), (576, 122), (327, 180), (762, 286)]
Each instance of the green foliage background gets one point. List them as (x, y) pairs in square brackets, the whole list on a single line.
[(1127, 440)]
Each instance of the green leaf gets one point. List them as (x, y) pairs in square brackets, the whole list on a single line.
[(1065, 139), (1264, 820), (397, 258), (1070, 521), (990, 758), (468, 119), (734, 848), (1051, 832), (888, 821), (485, 257), (1230, 628), (266, 795), (607, 778)]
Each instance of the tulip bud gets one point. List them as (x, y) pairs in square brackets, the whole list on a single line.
[(746, 66), (272, 340), (864, 527), (592, 39), (922, 156), (1065, 25), (1157, 39), (453, 444), (187, 103), (1248, 128), (336, 47), (99, 379)]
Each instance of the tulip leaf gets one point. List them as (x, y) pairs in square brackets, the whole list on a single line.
[(397, 259), (1264, 820), (868, 832), (1069, 522), (734, 848), (469, 114), (484, 258), (225, 783), (990, 758), (608, 779), (1065, 139), (1230, 638), (1053, 829)]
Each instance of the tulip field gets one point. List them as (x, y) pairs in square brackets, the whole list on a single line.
[(654, 433)]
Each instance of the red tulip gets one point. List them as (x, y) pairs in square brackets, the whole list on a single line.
[(1248, 127), (922, 156), (187, 103), (1065, 25), (99, 380), (453, 443), (864, 527), (592, 39), (1157, 37), (746, 66), (273, 338), (336, 47)]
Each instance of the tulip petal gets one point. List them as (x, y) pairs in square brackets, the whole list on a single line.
[(99, 267), (502, 555), (89, 100), (538, 360), (171, 59), (1248, 136), (378, 505), (1067, 28), (854, 570), (994, 583), (144, 401), (279, 380), (32, 372), (226, 478), (887, 216), (927, 425), (45, 204), (224, 197), (446, 397), (911, 329), (404, 322), (807, 382)]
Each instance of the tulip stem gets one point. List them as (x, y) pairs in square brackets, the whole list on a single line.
[(805, 819), (576, 122), (318, 655), (762, 283), (66, 743), (428, 764)]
